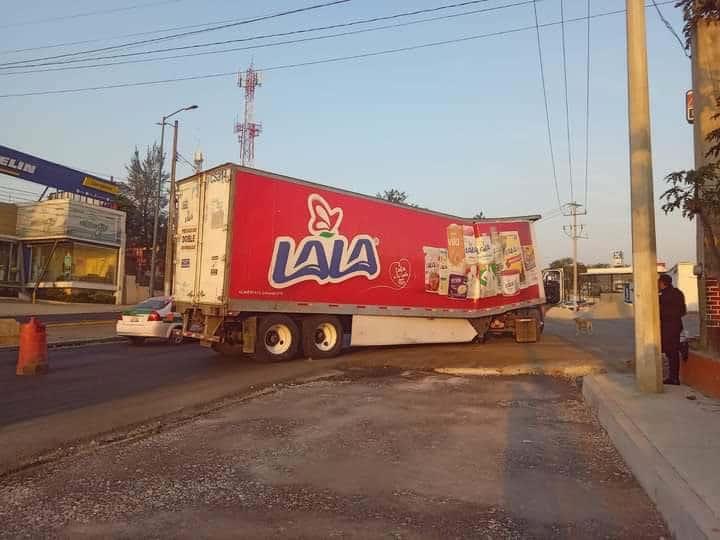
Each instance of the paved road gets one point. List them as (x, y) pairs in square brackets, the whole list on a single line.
[(90, 375), (365, 453), (94, 391), (613, 340)]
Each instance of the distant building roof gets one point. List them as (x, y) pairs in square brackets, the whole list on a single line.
[(618, 270)]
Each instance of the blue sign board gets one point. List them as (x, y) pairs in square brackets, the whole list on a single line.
[(46, 173)]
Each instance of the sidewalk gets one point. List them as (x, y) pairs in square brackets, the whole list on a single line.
[(671, 444), (69, 334), (16, 308)]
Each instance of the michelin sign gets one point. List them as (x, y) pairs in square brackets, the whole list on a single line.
[(33, 169)]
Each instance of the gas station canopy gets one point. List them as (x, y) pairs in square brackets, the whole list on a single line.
[(46, 173)]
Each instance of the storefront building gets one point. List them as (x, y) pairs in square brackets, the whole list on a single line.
[(8, 246), (67, 248)]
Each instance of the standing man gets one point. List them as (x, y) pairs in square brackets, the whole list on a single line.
[(672, 310)]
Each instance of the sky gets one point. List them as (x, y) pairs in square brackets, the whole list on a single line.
[(460, 127)]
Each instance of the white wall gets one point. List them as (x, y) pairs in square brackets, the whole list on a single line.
[(686, 281)]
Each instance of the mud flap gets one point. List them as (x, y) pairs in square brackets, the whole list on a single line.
[(249, 334)]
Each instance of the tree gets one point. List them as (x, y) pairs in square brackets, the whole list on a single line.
[(395, 196), (138, 198), (479, 215), (694, 10), (561, 263), (696, 193)]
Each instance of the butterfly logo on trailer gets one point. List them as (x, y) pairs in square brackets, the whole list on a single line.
[(325, 256)]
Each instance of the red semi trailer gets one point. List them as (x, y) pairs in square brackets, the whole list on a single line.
[(275, 266)]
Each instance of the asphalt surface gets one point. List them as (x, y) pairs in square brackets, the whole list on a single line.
[(93, 392), (612, 340), (365, 453), (84, 376)]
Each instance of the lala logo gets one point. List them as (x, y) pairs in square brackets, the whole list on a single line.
[(326, 256)]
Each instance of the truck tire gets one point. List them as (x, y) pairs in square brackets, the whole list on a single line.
[(278, 339), (322, 336)]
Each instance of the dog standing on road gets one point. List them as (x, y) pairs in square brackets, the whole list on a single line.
[(583, 325)]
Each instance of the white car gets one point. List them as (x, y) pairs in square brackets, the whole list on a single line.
[(153, 318)]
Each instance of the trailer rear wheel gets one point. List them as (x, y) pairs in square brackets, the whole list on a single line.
[(322, 336), (278, 339)]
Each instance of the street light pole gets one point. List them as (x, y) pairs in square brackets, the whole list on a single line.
[(648, 366), (172, 210), (159, 194)]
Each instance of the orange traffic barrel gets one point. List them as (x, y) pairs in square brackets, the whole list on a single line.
[(32, 355)]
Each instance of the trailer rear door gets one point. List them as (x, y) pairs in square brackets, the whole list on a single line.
[(187, 239), (213, 246)]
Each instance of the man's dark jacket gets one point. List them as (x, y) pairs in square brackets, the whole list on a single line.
[(672, 310)]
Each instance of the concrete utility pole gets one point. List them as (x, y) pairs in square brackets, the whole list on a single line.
[(159, 193), (706, 89), (575, 232), (648, 365), (172, 210)]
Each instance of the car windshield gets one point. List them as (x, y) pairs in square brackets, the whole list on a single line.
[(153, 303)]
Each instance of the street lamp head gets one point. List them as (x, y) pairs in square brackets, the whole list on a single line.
[(191, 107)]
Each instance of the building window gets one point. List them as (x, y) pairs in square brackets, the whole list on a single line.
[(73, 261), (94, 263), (42, 255), (8, 266)]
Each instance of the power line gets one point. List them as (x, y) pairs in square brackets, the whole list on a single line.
[(266, 45), (304, 31), (118, 36), (556, 213), (184, 34), (311, 62), (185, 161), (671, 29), (89, 13), (587, 110), (567, 104), (547, 109)]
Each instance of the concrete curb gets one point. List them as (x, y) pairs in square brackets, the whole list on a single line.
[(687, 515), (72, 343), (81, 323), (524, 369)]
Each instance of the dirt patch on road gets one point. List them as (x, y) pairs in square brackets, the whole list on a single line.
[(365, 454)]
